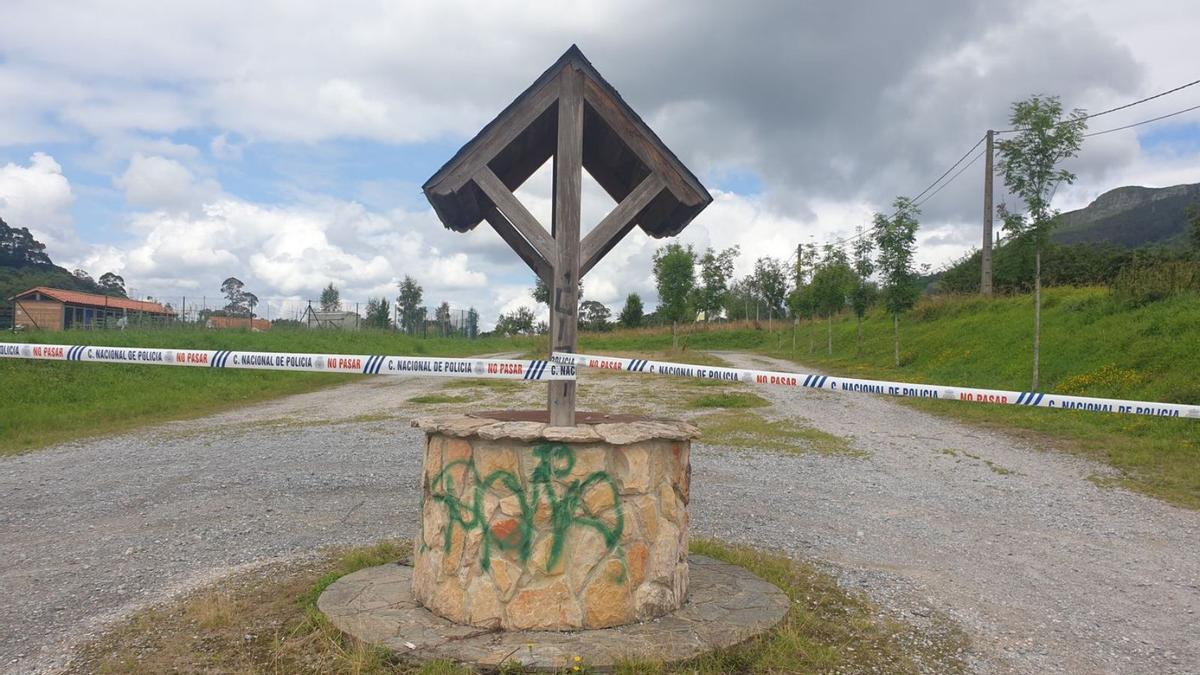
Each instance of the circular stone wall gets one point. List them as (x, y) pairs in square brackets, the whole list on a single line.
[(527, 526)]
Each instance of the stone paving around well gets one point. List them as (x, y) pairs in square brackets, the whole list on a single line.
[(726, 605)]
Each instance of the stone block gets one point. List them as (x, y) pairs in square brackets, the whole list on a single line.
[(547, 607), (606, 600)]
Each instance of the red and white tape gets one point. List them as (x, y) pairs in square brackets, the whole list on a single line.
[(849, 384), (361, 364)]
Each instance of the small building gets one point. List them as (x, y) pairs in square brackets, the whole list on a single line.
[(45, 308), (244, 322), (338, 320)]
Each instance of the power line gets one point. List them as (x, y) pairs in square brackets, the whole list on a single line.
[(1138, 124), (1112, 110), (960, 159), (965, 167)]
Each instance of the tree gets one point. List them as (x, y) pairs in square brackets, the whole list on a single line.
[(409, 312), (770, 280), (331, 299), (1029, 161), (895, 239), (863, 292), (594, 316), (232, 289), (379, 313), (113, 284), (541, 292), (18, 248), (831, 282), (82, 275), (442, 316), (803, 305), (632, 314), (675, 278), (518, 322), (715, 271), (251, 301), (472, 328)]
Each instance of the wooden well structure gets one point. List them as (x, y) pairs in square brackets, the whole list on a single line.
[(570, 114)]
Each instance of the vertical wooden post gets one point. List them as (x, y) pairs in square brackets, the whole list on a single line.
[(568, 184), (985, 255)]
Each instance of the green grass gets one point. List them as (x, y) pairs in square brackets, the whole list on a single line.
[(1091, 345), (730, 399), (50, 402)]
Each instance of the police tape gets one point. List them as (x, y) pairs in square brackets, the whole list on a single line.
[(905, 389), (362, 364)]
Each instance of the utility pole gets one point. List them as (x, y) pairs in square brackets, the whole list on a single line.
[(985, 255)]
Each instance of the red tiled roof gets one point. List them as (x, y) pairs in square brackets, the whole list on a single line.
[(95, 300)]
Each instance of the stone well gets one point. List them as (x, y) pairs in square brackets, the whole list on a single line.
[(528, 526)]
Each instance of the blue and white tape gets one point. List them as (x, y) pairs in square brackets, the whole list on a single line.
[(907, 389), (506, 369)]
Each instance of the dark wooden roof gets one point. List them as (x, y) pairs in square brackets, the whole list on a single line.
[(619, 151)]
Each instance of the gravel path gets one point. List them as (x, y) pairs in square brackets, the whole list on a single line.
[(1045, 571)]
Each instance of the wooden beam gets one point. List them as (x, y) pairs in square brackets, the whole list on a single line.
[(516, 213), (568, 186), (617, 223), (516, 242)]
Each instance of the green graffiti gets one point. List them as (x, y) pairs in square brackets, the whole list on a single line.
[(567, 510)]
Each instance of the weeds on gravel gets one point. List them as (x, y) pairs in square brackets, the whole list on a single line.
[(441, 398), (744, 429), (729, 399), (268, 622)]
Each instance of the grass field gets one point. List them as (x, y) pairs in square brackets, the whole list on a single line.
[(47, 402)]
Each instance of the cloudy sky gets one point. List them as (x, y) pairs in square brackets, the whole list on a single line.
[(181, 143)]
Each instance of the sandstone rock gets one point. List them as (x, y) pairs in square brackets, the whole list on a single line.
[(631, 468), (505, 574), (452, 556), (542, 551), (651, 600), (520, 431), (544, 607), (599, 498), (623, 433), (585, 550), (490, 457), (668, 503), (450, 600), (484, 604), (583, 433), (606, 599), (637, 556), (455, 449), (588, 461)]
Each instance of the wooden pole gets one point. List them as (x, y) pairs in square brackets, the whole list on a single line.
[(985, 256), (568, 185)]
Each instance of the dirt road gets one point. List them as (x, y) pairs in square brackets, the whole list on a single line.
[(1045, 570)]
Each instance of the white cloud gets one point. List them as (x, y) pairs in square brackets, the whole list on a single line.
[(161, 183), (38, 196)]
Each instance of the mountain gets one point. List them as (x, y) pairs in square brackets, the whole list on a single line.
[(1131, 216)]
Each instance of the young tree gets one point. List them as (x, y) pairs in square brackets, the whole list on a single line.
[(895, 238), (379, 313), (675, 277), (863, 293), (442, 316), (113, 284), (409, 312), (1029, 161), (472, 328), (770, 280), (594, 316), (251, 301), (830, 283), (802, 303), (632, 314), (331, 299), (715, 272)]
